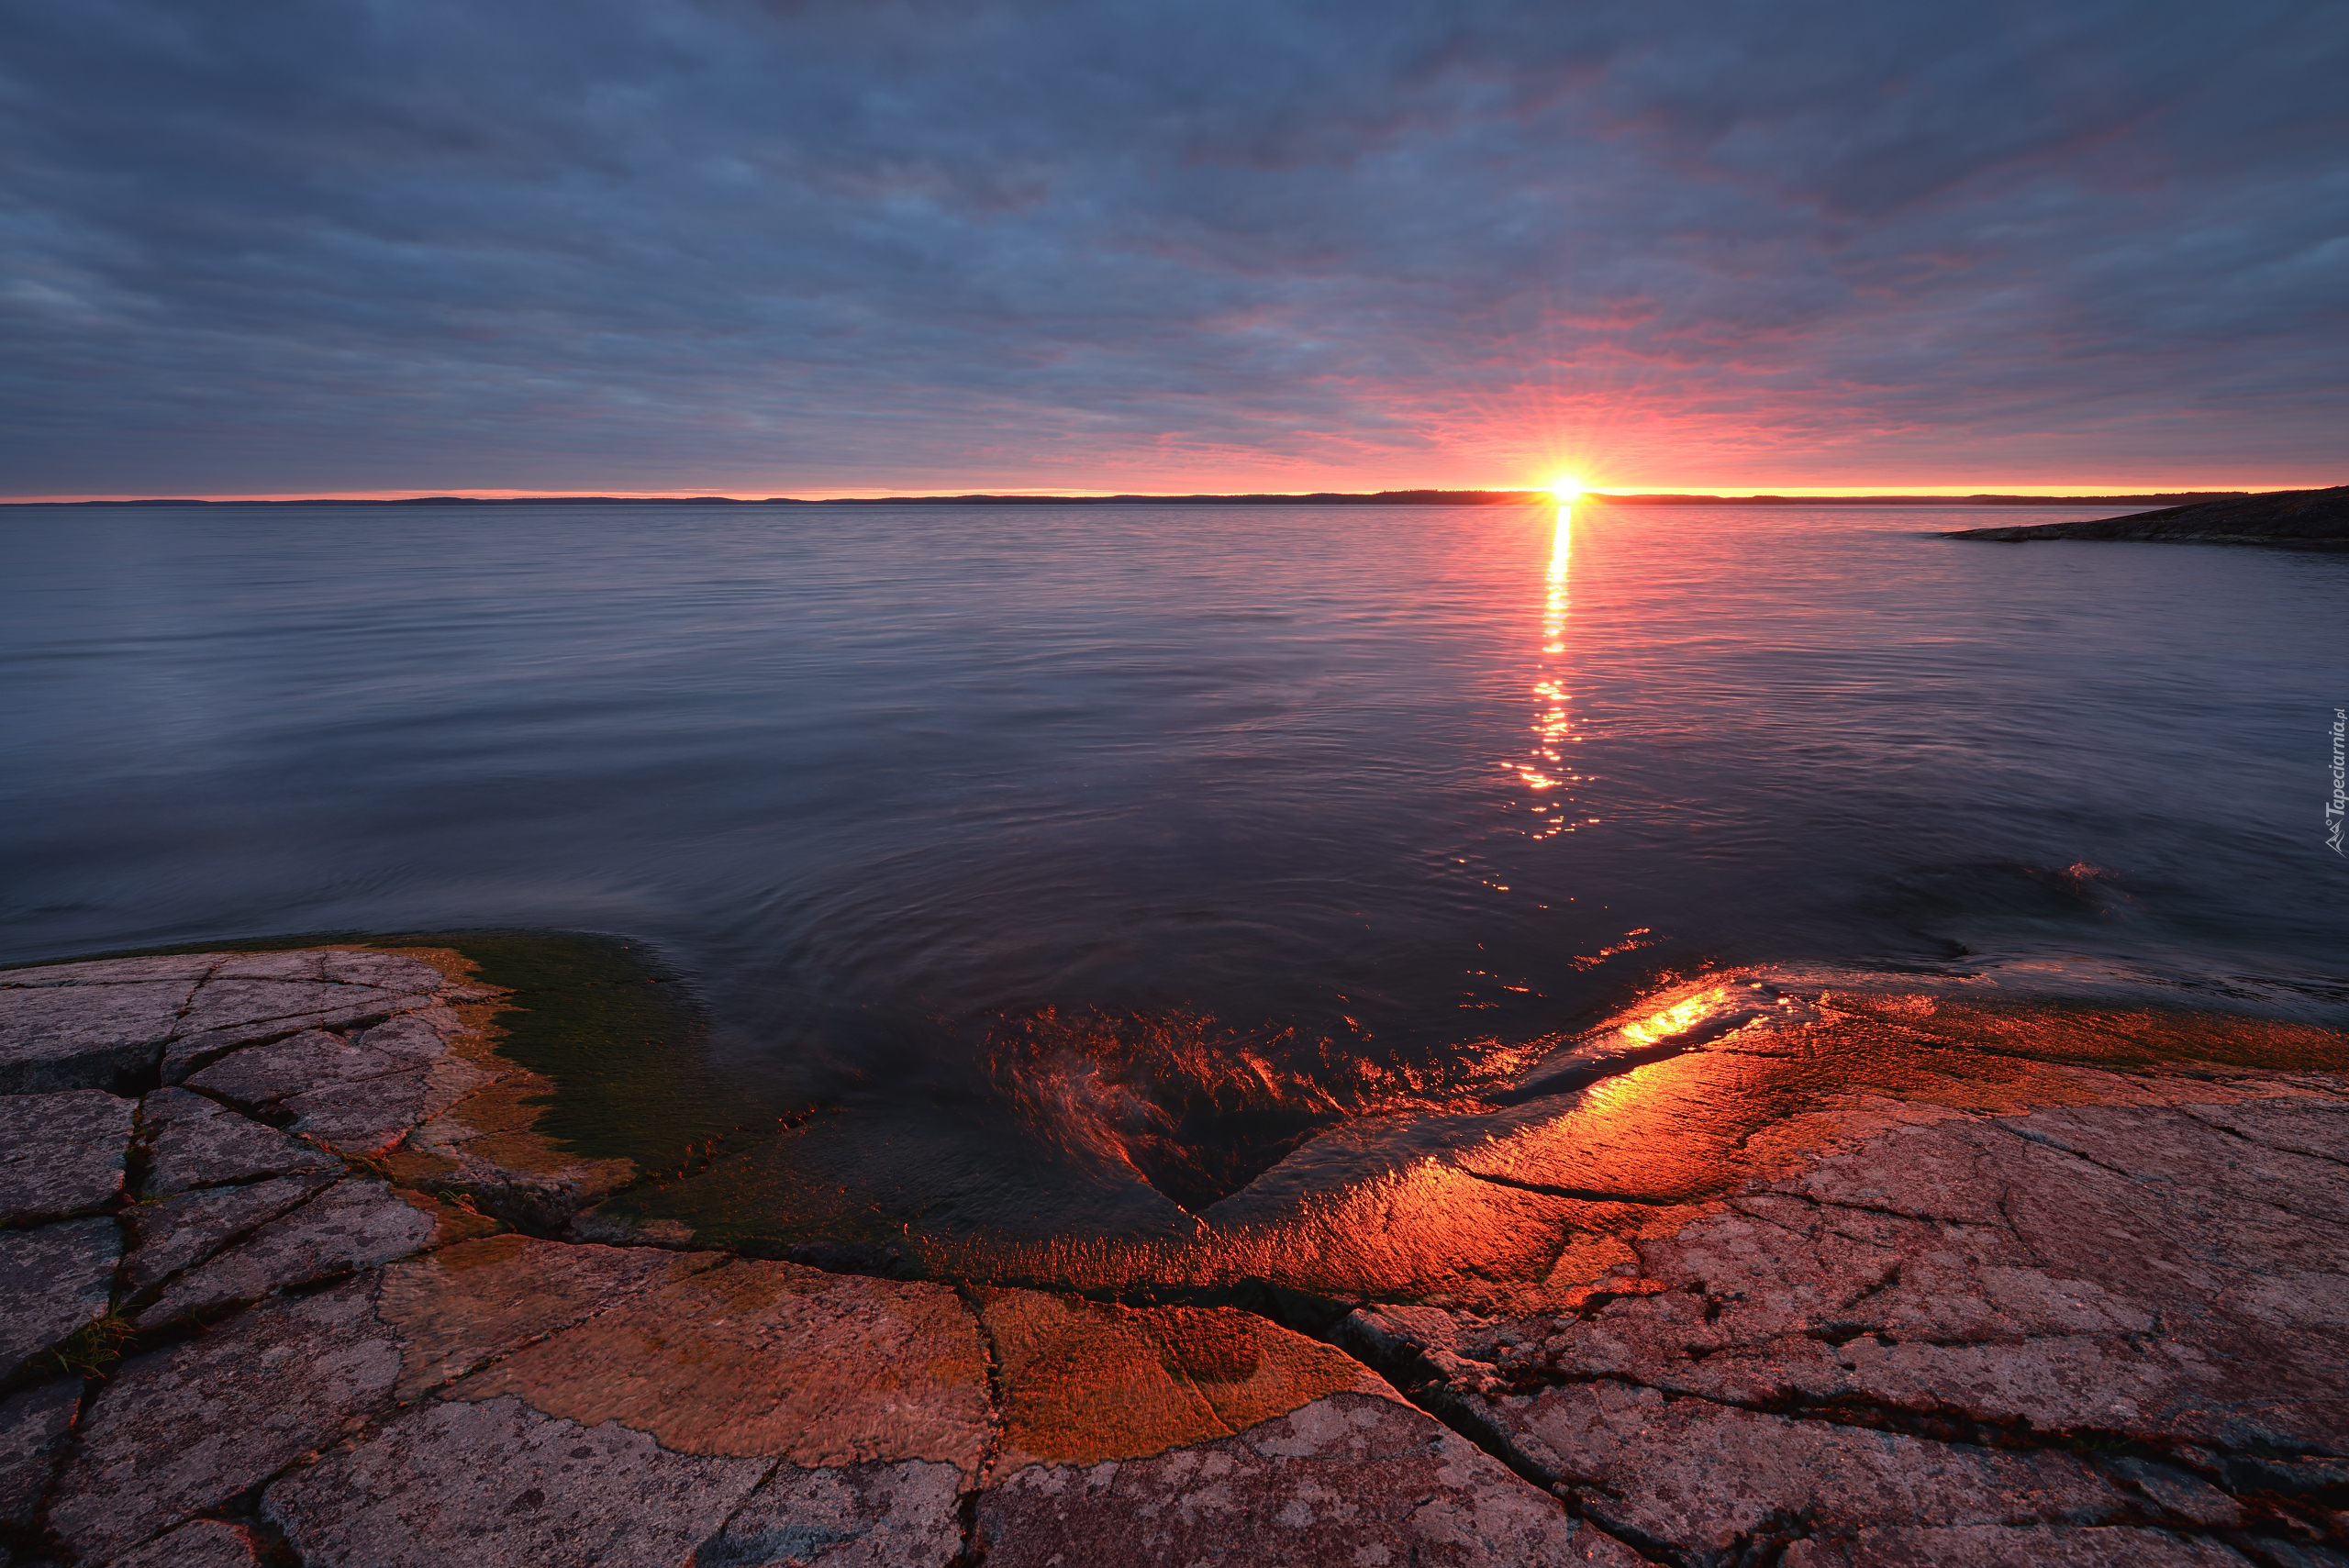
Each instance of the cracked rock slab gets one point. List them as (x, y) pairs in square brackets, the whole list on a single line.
[(860, 1515), (260, 1075), (352, 1225), (61, 1155), (1351, 1479), (181, 1431), (384, 971), (53, 1281), (195, 1143), (1707, 1479), (498, 1484), (190, 1226), (54, 1037), (2115, 1271), (33, 1425), (227, 1014)]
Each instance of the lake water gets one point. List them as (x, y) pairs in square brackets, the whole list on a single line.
[(961, 805)]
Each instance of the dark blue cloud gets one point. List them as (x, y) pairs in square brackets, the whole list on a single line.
[(798, 246)]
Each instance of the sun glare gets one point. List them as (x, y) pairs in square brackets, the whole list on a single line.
[(1565, 489)]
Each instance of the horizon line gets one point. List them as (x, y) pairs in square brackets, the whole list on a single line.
[(1531, 494)]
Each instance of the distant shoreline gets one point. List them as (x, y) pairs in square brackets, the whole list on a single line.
[(1323, 498)]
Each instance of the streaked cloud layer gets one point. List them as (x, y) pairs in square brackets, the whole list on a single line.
[(648, 245)]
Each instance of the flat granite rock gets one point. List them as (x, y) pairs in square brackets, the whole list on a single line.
[(860, 1515), (466, 1305), (182, 1430), (352, 1225), (190, 1226), (33, 1425), (53, 1281), (195, 1143), (203, 1544), (55, 1038), (61, 1155), (770, 1359), (1351, 1479), (498, 1485)]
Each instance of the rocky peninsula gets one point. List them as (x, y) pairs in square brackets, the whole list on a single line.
[(294, 1272), (2290, 520)]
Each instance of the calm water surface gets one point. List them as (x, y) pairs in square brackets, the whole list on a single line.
[(1373, 793)]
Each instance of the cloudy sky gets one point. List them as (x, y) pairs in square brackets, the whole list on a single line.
[(272, 247)]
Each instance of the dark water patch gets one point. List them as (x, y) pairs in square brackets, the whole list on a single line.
[(615, 1026)]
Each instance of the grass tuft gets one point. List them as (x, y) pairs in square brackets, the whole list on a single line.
[(96, 1346)]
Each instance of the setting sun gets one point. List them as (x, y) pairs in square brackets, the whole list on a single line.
[(1565, 489)]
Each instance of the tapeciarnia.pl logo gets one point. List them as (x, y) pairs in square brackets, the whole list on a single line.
[(2338, 806)]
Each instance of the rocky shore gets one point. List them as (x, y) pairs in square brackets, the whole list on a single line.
[(293, 1276), (2293, 519)]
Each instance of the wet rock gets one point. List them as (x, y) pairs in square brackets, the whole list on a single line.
[(487, 1148), (60, 1154), (226, 1014), (54, 1037), (498, 1485), (33, 1425), (203, 1544), (862, 1516), (187, 1228), (195, 1143), (1995, 1546), (351, 1225), (181, 1431), (1350, 1479), (53, 1281), (754, 1358), (1086, 1381), (469, 1304)]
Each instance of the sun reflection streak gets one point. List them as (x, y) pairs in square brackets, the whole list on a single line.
[(1545, 771)]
